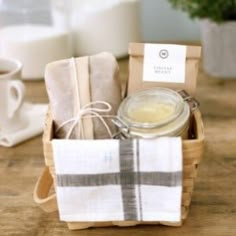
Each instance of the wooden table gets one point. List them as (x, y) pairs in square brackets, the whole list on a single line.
[(213, 209)]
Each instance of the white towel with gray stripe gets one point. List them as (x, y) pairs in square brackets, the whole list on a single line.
[(119, 180)]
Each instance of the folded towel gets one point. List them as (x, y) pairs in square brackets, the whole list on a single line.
[(35, 117), (119, 180), (77, 82)]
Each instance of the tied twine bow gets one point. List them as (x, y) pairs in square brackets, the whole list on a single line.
[(88, 111)]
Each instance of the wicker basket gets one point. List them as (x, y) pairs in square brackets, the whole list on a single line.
[(192, 154)]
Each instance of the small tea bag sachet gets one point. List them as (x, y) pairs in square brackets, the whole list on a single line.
[(83, 93)]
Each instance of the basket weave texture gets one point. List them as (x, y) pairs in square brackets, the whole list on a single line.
[(193, 150)]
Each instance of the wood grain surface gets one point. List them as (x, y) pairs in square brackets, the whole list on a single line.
[(213, 209)]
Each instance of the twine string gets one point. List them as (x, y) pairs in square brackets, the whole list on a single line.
[(88, 111)]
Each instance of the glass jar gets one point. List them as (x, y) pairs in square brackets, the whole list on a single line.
[(27, 34), (154, 113)]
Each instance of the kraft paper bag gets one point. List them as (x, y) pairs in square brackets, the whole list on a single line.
[(76, 82), (136, 69)]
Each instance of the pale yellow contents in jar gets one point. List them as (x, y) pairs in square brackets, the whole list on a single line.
[(151, 112)]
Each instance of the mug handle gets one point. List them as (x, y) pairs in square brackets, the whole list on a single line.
[(16, 96)]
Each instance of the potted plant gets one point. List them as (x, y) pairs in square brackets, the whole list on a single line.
[(218, 26)]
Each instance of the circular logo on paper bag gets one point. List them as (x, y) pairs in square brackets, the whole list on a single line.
[(163, 54)]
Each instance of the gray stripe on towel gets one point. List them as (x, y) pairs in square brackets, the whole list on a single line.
[(127, 179), (169, 179), (139, 179)]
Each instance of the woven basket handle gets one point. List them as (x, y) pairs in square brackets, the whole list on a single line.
[(41, 192)]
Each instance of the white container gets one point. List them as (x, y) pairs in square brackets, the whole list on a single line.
[(219, 48), (35, 46), (30, 39), (108, 25)]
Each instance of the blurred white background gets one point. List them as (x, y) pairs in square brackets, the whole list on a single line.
[(160, 22)]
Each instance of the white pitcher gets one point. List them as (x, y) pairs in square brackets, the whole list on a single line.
[(108, 25)]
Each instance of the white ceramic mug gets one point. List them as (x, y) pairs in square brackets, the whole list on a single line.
[(12, 92)]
